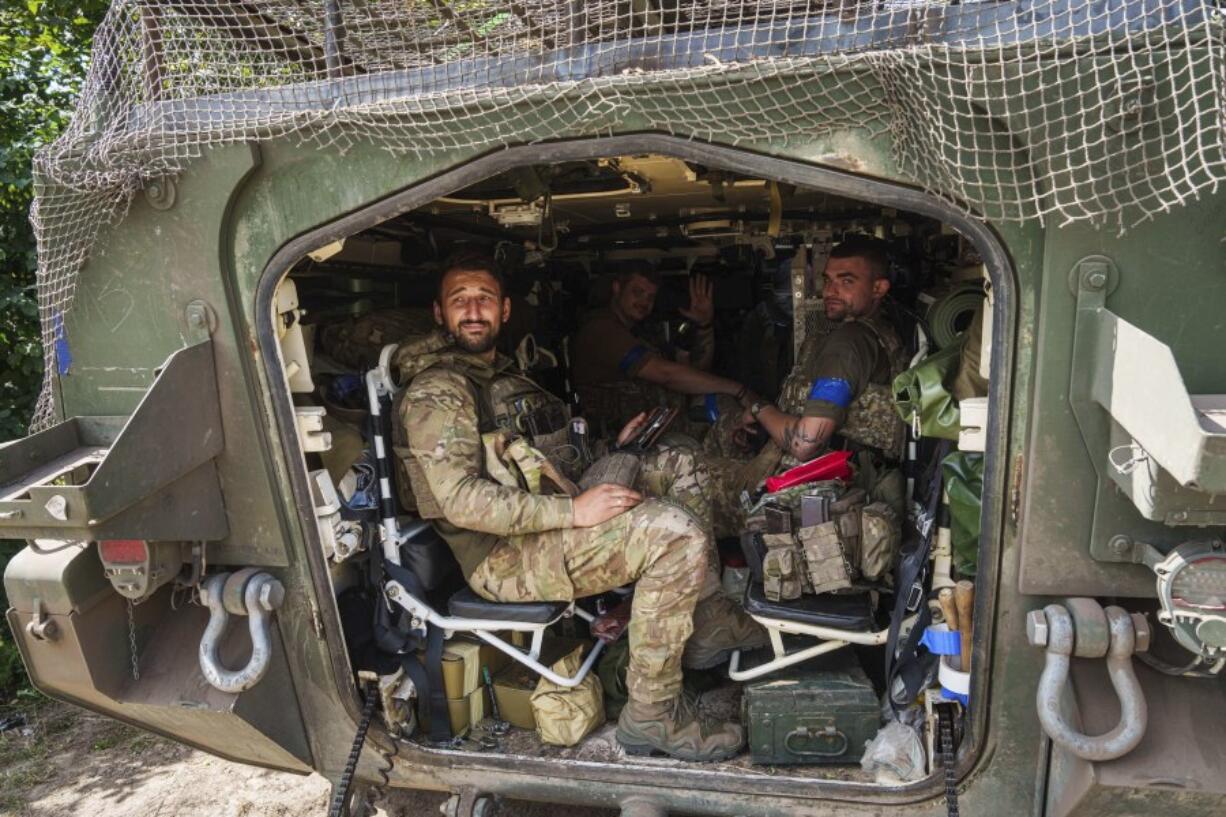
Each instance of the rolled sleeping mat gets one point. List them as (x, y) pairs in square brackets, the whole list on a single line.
[(950, 311)]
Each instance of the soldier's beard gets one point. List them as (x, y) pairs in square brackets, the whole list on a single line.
[(476, 344), (843, 311)]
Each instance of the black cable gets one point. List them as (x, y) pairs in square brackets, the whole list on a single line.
[(1187, 671), (341, 793)]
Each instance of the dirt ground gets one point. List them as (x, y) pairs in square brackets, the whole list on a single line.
[(63, 761)]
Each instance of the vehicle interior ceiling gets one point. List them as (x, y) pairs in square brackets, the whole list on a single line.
[(561, 232)]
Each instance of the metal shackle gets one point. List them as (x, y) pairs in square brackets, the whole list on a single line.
[(1056, 632), (260, 594)]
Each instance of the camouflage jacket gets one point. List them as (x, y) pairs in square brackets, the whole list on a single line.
[(440, 415)]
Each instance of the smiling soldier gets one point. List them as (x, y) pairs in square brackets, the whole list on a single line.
[(516, 540), (618, 372), (839, 388)]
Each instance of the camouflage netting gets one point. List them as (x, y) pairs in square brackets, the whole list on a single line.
[(1063, 110)]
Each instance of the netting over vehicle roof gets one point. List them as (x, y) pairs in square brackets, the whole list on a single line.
[(1111, 110)]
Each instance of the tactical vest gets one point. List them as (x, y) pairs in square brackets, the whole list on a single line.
[(525, 410), (524, 428)]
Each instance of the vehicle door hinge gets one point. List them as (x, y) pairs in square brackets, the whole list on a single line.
[(1015, 488)]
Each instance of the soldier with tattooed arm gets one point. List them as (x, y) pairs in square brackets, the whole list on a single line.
[(840, 385)]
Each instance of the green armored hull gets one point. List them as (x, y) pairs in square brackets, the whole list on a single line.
[(243, 183)]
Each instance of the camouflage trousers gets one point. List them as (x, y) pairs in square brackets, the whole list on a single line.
[(721, 441), (664, 545), (727, 514)]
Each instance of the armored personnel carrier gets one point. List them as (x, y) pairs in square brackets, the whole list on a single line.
[(248, 213)]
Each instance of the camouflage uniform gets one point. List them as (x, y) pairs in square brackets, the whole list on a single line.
[(356, 344), (863, 355), (513, 545)]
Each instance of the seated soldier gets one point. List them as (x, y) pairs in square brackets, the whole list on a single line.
[(516, 545), (840, 384), (617, 372)]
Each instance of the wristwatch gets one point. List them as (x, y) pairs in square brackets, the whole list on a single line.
[(757, 407)]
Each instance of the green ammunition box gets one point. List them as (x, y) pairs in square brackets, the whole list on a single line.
[(811, 716)]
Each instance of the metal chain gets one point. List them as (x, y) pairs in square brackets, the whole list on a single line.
[(132, 640), (340, 792), (378, 791), (945, 727)]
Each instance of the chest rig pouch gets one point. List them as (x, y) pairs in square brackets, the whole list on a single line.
[(821, 538), (520, 407), (524, 431)]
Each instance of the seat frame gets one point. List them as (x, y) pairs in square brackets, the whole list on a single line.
[(379, 384), (832, 638), (486, 629)]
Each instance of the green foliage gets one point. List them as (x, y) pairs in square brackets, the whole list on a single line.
[(44, 50), (12, 674)]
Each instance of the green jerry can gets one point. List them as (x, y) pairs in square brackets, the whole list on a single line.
[(811, 716)]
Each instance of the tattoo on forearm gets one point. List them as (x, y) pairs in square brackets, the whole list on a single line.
[(795, 438)]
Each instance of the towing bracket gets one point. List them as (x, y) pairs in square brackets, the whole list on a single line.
[(150, 476), (1148, 437)]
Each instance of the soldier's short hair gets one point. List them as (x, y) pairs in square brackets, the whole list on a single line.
[(874, 251), (470, 260), (626, 270)]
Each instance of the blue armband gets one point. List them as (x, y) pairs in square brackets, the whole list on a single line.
[(632, 359), (711, 405), (833, 390)]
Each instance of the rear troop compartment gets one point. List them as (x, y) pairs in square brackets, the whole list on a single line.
[(561, 231), (336, 297)]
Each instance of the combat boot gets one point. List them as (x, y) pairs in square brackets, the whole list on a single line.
[(676, 729), (720, 626)]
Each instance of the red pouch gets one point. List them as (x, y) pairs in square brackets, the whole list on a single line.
[(828, 466)]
